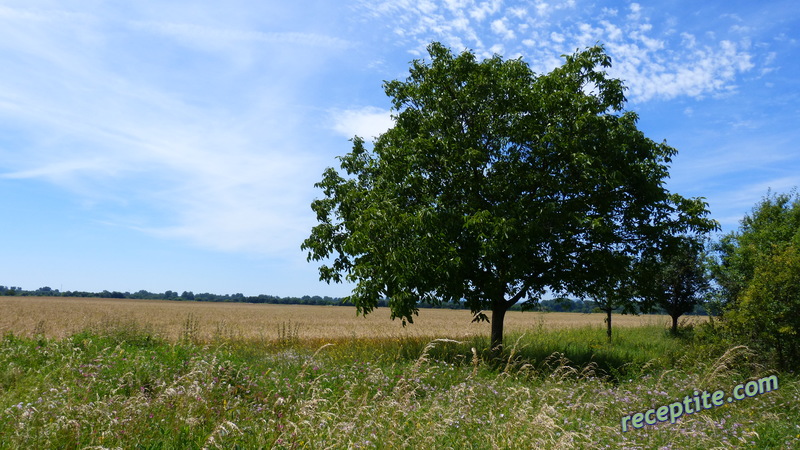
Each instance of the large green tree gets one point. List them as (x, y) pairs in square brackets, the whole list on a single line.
[(494, 185)]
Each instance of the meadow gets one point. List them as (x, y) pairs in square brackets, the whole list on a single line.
[(81, 373)]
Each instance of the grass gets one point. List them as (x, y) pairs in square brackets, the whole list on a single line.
[(123, 384)]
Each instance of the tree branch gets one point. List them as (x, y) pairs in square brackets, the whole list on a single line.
[(513, 300)]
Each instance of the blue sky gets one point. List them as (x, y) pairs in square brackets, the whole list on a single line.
[(173, 145)]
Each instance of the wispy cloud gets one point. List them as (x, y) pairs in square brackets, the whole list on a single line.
[(60, 171), (197, 169), (212, 37), (733, 168)]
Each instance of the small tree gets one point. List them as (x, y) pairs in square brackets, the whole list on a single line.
[(612, 284), (617, 297), (678, 278), (494, 185)]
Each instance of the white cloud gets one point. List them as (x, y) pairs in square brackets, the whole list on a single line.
[(427, 6), (542, 8), (368, 122), (518, 12), (635, 11), (484, 9), (654, 64), (708, 70), (456, 5), (613, 32), (500, 28), (688, 40), (610, 12)]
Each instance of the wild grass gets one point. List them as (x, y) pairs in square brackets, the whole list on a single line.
[(122, 385)]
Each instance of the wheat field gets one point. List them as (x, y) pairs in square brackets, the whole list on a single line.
[(58, 317)]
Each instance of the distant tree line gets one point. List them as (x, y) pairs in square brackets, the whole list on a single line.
[(588, 306), (554, 305), (47, 291), (174, 295)]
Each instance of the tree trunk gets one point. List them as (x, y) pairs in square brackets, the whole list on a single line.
[(675, 325), (498, 315), (608, 323)]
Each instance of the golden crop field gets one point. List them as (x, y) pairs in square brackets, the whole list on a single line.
[(59, 317)]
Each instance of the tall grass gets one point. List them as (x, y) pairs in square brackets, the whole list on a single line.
[(125, 386)]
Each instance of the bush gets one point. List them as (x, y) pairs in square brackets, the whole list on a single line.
[(758, 274), (768, 311)]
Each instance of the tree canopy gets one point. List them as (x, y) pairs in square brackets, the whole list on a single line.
[(494, 185)]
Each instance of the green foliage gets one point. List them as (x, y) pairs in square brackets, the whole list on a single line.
[(758, 271), (98, 390), (495, 185)]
